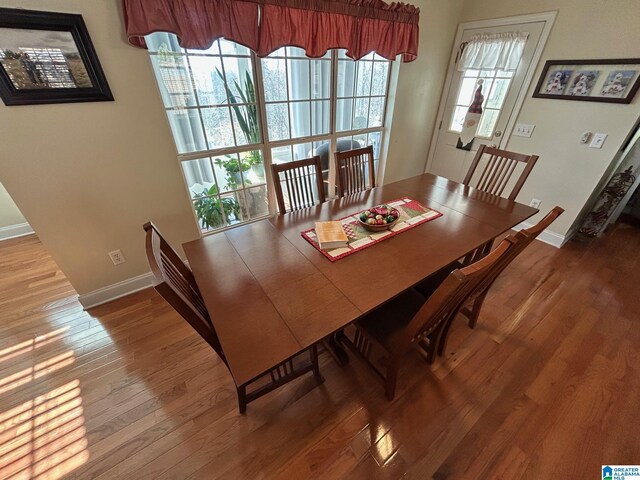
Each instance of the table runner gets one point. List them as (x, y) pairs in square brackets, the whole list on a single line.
[(412, 214)]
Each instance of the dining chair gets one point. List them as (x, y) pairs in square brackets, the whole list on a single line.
[(525, 237), (494, 178), (175, 282), (323, 151), (498, 171), (472, 305), (355, 171), (414, 321), (303, 182)]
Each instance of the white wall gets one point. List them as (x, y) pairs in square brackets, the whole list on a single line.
[(9, 213), (88, 175), (415, 104), (567, 172)]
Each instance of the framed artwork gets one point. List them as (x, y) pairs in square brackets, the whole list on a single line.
[(614, 81), (48, 57)]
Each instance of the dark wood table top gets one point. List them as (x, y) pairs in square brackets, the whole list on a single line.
[(271, 294)]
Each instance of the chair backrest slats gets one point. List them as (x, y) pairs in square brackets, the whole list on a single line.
[(353, 169), (499, 170), (175, 282), (300, 179), (453, 292), (522, 240)]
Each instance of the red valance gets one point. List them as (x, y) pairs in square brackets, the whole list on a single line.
[(359, 26), (196, 23)]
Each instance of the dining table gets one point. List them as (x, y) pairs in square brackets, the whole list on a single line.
[(271, 294)]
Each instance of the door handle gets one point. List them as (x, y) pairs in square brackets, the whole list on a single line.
[(498, 133)]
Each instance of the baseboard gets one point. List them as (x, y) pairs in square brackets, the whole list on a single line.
[(548, 237), (115, 291), (14, 231)]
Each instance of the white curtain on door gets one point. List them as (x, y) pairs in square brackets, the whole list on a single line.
[(500, 51)]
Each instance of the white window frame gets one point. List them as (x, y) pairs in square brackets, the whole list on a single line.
[(266, 146), (493, 76)]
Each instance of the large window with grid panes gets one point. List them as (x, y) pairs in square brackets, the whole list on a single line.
[(232, 115)]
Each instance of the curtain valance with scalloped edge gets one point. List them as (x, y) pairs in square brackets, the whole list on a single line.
[(359, 26)]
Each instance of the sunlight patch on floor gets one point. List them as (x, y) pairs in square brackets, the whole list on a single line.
[(32, 344), (42, 438)]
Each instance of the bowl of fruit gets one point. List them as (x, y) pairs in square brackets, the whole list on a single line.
[(379, 218)]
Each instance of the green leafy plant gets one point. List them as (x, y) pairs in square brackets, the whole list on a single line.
[(209, 207), (246, 110), (232, 166)]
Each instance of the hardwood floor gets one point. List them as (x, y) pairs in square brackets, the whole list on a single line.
[(547, 386)]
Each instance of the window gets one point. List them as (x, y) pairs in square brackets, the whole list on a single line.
[(233, 115), (495, 87)]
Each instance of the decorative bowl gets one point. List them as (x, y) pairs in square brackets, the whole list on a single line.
[(379, 213)]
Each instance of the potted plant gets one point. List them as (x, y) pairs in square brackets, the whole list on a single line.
[(209, 207), (246, 111), (232, 166), (254, 158)]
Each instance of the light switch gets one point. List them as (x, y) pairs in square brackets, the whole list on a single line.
[(598, 140), (523, 130)]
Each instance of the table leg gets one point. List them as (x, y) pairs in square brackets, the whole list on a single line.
[(335, 349)]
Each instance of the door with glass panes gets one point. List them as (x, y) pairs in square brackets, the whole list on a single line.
[(500, 90)]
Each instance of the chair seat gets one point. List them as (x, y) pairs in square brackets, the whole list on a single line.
[(391, 318)]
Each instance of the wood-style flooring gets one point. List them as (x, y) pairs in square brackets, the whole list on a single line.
[(547, 386)]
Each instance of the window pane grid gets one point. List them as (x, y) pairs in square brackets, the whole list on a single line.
[(369, 102), (220, 202), (212, 105), (355, 90), (286, 73), (495, 87), (224, 76), (361, 99), (301, 86), (351, 97), (208, 107)]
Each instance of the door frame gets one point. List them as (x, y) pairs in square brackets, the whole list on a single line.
[(547, 17)]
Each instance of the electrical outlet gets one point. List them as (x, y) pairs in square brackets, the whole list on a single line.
[(598, 140), (535, 203), (585, 137), (523, 130), (117, 257)]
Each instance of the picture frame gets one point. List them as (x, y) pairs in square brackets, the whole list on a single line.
[(605, 80), (48, 57)]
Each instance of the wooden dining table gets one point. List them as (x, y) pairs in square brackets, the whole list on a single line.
[(271, 294)]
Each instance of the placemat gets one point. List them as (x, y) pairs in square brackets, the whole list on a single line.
[(412, 214)]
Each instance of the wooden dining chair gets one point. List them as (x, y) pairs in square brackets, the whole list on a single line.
[(498, 171), (494, 178), (524, 237), (303, 182), (175, 282), (472, 305), (355, 171), (410, 321)]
